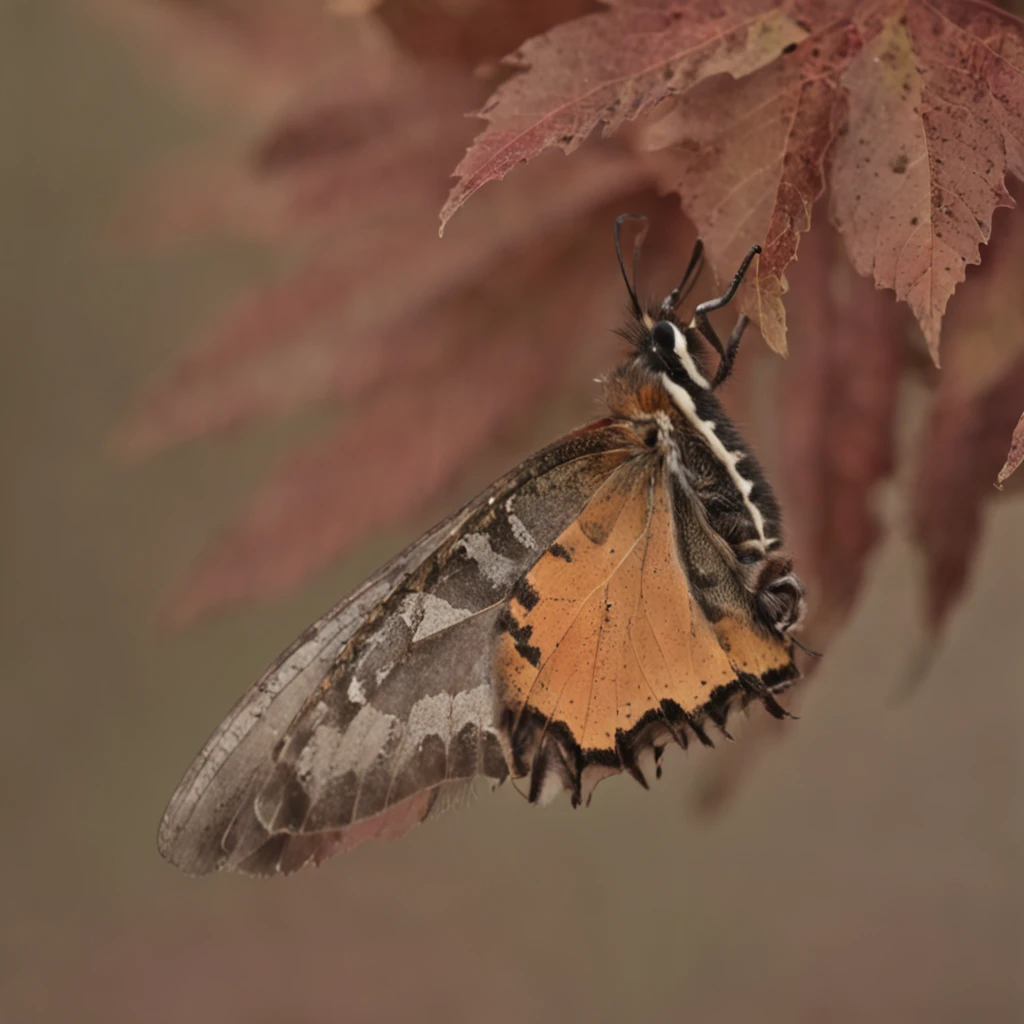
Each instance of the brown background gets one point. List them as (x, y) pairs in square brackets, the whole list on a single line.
[(869, 869)]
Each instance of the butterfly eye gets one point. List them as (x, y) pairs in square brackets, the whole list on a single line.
[(663, 336)]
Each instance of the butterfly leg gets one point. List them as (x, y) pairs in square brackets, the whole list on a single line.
[(780, 595), (731, 348), (700, 314)]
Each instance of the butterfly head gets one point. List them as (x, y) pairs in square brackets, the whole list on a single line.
[(677, 350), (670, 345)]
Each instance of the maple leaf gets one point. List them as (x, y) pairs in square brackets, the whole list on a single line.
[(747, 159), (611, 67), (923, 99), (936, 119)]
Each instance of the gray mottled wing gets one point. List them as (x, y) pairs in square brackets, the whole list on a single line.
[(206, 800), (386, 704)]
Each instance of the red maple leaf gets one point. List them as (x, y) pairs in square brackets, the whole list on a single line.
[(927, 99), (611, 67)]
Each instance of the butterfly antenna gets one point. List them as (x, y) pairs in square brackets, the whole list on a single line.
[(806, 650), (685, 286), (630, 286), (703, 324)]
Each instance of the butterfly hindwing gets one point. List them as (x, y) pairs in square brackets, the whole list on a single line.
[(609, 647)]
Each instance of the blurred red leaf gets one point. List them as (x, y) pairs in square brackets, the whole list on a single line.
[(473, 34), (341, 325), (494, 361), (838, 395), (976, 408), (251, 51), (756, 171), (612, 67), (963, 445), (365, 143), (1015, 456)]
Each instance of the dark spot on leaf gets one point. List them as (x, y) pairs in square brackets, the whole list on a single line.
[(900, 164)]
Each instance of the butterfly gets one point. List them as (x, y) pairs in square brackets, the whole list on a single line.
[(621, 590)]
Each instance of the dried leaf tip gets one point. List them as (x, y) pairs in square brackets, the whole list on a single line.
[(1015, 456)]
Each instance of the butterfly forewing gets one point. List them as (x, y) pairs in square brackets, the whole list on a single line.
[(389, 698), (239, 754)]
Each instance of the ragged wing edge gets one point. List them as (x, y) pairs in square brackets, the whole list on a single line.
[(276, 697)]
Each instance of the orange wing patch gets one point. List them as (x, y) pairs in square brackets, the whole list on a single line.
[(604, 648), (751, 651)]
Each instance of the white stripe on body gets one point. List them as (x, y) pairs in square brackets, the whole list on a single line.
[(708, 430), (683, 352)]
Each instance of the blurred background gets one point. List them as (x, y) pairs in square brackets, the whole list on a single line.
[(866, 868)]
